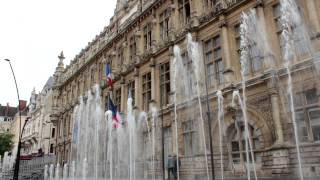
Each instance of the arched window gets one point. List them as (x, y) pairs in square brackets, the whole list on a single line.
[(238, 144)]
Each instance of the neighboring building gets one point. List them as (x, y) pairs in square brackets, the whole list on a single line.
[(39, 132), (7, 114), (10, 120), (139, 44)]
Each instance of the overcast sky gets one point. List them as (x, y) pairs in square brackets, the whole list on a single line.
[(34, 32)]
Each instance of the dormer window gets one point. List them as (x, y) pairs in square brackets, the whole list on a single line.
[(147, 36), (184, 11)]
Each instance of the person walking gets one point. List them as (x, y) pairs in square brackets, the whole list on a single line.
[(176, 162), (170, 166)]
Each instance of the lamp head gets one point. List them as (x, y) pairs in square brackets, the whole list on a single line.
[(7, 60)]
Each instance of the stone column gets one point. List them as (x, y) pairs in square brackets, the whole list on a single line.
[(276, 117), (137, 93), (153, 79), (123, 95), (313, 13), (268, 59), (195, 8), (228, 70), (139, 41)]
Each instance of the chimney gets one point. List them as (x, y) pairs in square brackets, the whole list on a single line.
[(7, 110), (23, 105)]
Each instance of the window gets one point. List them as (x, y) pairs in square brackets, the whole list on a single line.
[(147, 36), (255, 62), (131, 89), (53, 131), (133, 48), (167, 143), (184, 11), (92, 76), (117, 99), (238, 143), (146, 91), (165, 83), (308, 115), (164, 24), (189, 138), (51, 148), (298, 37), (120, 58), (209, 4), (214, 64)]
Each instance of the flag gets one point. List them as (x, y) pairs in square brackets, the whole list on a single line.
[(108, 74), (115, 113)]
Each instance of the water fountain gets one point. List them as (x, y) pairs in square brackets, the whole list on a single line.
[(220, 119)]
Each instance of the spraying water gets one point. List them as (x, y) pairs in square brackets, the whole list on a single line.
[(244, 56), (195, 54), (289, 18), (176, 60), (221, 128)]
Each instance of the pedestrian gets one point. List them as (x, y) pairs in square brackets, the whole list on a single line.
[(170, 166), (177, 163)]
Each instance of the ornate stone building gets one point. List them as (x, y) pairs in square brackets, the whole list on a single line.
[(138, 43), (39, 132)]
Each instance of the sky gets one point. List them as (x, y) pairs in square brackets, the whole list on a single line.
[(34, 32)]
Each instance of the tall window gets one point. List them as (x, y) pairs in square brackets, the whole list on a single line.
[(209, 4), (308, 115), (53, 131), (147, 36), (167, 143), (120, 58), (255, 62), (133, 48), (51, 148), (117, 99), (214, 64), (184, 11), (131, 89), (165, 83), (146, 91), (299, 41), (238, 143), (164, 24), (189, 138)]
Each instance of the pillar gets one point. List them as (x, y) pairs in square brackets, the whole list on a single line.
[(153, 79), (123, 95), (313, 15), (226, 53), (137, 92), (276, 117), (268, 59)]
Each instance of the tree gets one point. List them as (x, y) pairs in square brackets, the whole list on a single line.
[(6, 142)]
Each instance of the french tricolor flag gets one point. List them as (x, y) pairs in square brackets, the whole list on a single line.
[(115, 114), (108, 74)]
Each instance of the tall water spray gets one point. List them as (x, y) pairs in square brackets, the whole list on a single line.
[(132, 142), (244, 56), (176, 64), (194, 52), (221, 129), (290, 18)]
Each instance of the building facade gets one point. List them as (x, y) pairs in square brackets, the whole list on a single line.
[(39, 132), (139, 43)]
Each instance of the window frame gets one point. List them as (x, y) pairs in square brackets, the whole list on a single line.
[(146, 90), (164, 80)]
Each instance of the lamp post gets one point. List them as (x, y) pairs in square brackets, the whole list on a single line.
[(16, 166)]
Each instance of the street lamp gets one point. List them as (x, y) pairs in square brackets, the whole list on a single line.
[(16, 166)]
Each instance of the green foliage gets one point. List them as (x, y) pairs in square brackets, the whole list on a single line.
[(6, 142)]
